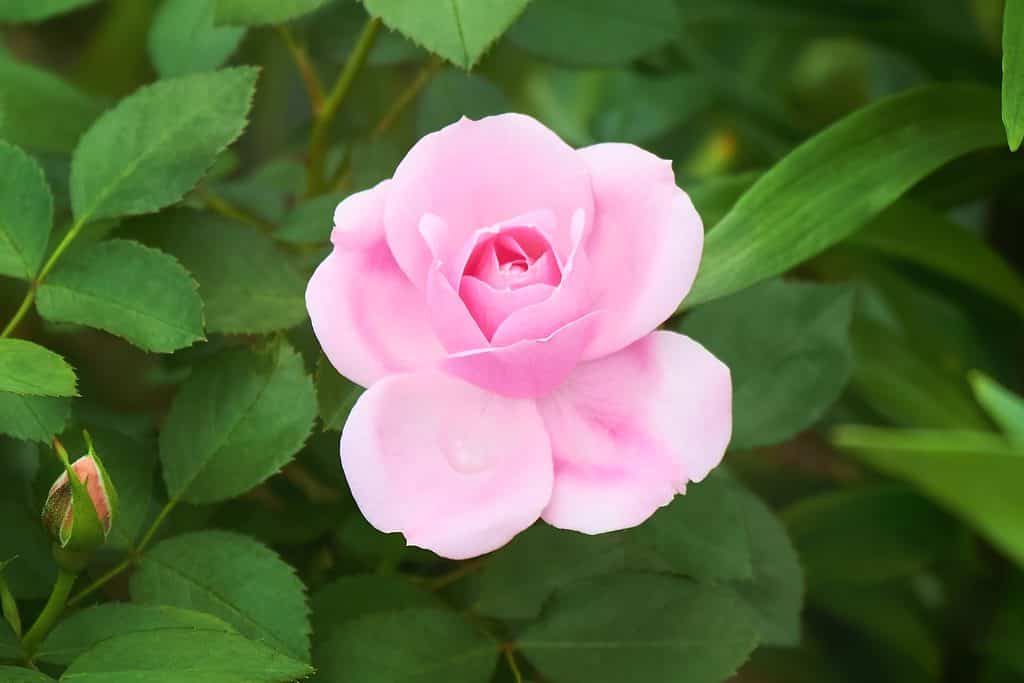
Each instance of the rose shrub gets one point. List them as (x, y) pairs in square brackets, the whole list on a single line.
[(499, 297)]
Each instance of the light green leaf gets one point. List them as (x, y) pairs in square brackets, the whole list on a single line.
[(257, 12), (26, 213), (34, 418), (150, 149), (17, 674), (595, 32), (245, 281), (40, 111), (335, 395), (183, 39), (920, 235), (37, 10), (30, 369), (1004, 406), (1013, 72), (976, 475), (210, 656), (126, 289), (866, 535), (838, 180), (408, 646), (641, 627), (453, 94), (231, 577), (787, 346), (776, 590), (458, 30), (311, 221), (82, 630), (236, 421)]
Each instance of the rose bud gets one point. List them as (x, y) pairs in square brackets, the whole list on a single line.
[(82, 503)]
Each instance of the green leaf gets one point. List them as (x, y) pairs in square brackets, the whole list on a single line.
[(311, 221), (17, 674), (40, 111), (183, 39), (257, 12), (920, 235), (639, 108), (458, 30), (973, 474), (1004, 407), (150, 149), (209, 656), (231, 577), (787, 346), (453, 94), (30, 571), (268, 191), (37, 10), (35, 418), (335, 395), (640, 627), (1008, 627), (408, 646), (1013, 72), (796, 209), (866, 535), (246, 282), (237, 420), (26, 213), (10, 648), (595, 32), (776, 590), (29, 369), (126, 289), (81, 631)]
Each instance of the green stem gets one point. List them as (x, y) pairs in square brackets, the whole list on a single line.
[(30, 295), (513, 665), (314, 89), (406, 97), (51, 612), (322, 123)]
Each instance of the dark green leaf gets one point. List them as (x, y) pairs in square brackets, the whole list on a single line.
[(974, 474), (866, 535), (132, 291), (595, 32), (408, 646), (209, 656), (183, 39), (24, 544), (787, 346), (268, 191), (245, 281), (35, 418), (29, 369), (26, 213), (335, 395), (82, 630), (458, 30), (1013, 72), (257, 12), (454, 94), (237, 420), (231, 577), (17, 674), (874, 155), (641, 627), (150, 149), (1008, 629), (37, 10), (311, 221), (638, 108)]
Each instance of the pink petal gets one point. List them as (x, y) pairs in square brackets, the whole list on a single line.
[(645, 245), (528, 368), (457, 469), (452, 322), (368, 317), (489, 306), (473, 174), (628, 431)]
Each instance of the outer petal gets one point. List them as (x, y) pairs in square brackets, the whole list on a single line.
[(630, 430), (645, 245), (457, 469), (368, 317), (473, 174)]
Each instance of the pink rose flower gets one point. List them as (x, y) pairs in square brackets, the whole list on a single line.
[(499, 297)]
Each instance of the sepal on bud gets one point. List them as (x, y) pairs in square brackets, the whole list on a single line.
[(82, 504)]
